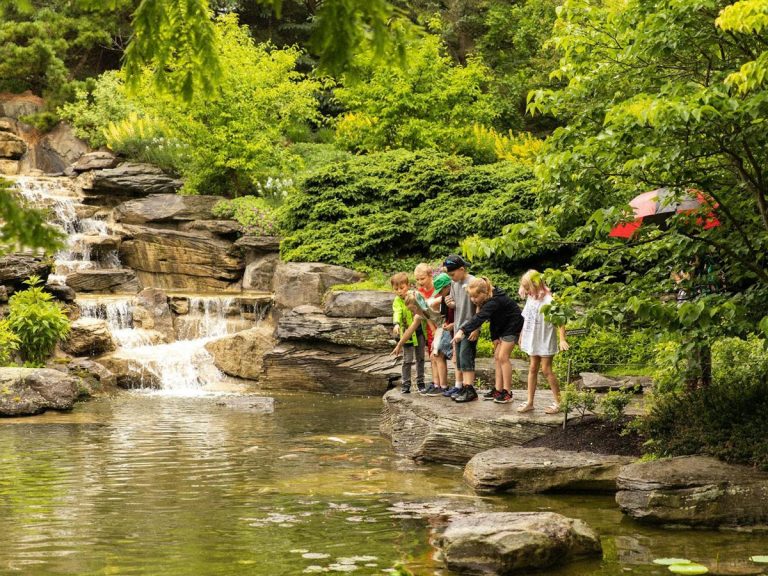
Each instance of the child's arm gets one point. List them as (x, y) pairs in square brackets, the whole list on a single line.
[(563, 343), (407, 335)]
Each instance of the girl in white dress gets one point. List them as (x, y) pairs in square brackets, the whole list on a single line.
[(539, 339)]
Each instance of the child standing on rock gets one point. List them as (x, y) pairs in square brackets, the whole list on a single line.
[(413, 346), (464, 310), (538, 339), (506, 322)]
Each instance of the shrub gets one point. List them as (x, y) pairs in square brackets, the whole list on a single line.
[(37, 321), (254, 214), (726, 419), (579, 401), (146, 139), (400, 205), (9, 343), (613, 404)]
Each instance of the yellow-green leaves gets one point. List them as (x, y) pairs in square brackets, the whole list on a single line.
[(748, 17)]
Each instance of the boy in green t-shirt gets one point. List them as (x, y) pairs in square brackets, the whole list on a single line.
[(402, 318)]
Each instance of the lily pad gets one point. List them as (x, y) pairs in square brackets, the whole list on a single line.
[(670, 561), (759, 559), (688, 569)]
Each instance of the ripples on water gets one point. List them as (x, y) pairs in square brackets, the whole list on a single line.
[(156, 485)]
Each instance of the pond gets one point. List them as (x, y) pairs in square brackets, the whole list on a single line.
[(143, 483)]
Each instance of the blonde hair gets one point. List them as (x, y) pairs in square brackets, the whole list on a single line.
[(481, 287), (532, 283), (423, 268), (398, 279)]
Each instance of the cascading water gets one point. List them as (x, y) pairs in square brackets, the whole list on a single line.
[(61, 197)]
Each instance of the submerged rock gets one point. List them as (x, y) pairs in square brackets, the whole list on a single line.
[(526, 470), (514, 543), (28, 391), (248, 403), (693, 491)]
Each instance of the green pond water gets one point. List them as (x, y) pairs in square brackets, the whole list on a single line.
[(158, 485)]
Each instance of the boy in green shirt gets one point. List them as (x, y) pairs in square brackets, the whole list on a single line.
[(402, 318)]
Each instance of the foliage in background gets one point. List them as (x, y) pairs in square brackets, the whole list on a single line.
[(613, 404), (23, 227), (601, 349), (374, 209), (37, 321), (254, 214), (726, 420), (9, 343), (575, 401), (51, 46), (429, 103)]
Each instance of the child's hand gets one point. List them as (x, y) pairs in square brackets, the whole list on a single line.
[(564, 345), (458, 337), (450, 302), (448, 327), (398, 349), (396, 331), (474, 335)]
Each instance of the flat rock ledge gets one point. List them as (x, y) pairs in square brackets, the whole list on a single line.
[(693, 491), (437, 429), (514, 543), (29, 391), (523, 470)]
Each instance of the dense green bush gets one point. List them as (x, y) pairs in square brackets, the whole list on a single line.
[(602, 349), (726, 419), (373, 209), (254, 214), (37, 321), (9, 343)]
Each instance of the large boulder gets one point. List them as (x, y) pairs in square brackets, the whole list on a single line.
[(55, 151), (11, 146), (27, 391), (186, 261), (260, 272), (327, 368), (18, 105), (129, 180), (98, 160), (151, 311), (359, 304), (298, 283), (166, 208), (364, 333), (502, 543), (88, 337), (15, 268), (526, 470), (114, 280), (442, 431), (242, 354), (693, 491), (601, 383)]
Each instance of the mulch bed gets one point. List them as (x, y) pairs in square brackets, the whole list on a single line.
[(593, 435)]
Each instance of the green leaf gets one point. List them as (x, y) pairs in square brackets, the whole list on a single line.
[(688, 569), (759, 559), (671, 561)]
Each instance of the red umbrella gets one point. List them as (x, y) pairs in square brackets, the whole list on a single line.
[(658, 205)]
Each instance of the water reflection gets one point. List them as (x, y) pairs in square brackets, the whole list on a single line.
[(146, 484)]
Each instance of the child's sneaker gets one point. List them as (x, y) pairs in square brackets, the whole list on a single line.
[(492, 394), (434, 391), (422, 388), (467, 394), (405, 389), (504, 397), (451, 391)]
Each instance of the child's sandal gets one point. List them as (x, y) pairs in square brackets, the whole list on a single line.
[(552, 409), (524, 407)]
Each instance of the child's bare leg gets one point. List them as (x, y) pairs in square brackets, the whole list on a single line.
[(546, 368), (533, 378), (503, 366), (498, 375), (442, 369)]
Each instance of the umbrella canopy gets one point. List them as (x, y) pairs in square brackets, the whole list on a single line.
[(658, 205)]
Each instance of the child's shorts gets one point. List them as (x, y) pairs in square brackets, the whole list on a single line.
[(465, 355), (442, 343), (514, 338)]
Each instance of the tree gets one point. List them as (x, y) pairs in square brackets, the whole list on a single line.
[(656, 95)]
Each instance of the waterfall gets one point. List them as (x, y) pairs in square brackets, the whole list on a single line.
[(61, 198)]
